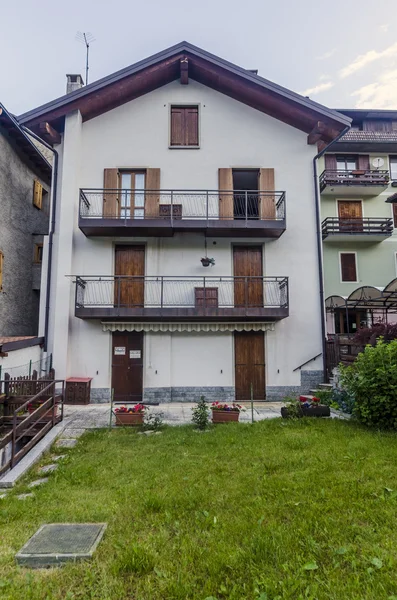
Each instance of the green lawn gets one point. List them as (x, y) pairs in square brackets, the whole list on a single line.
[(299, 510)]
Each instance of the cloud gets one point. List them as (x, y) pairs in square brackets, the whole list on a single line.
[(365, 59), (380, 94), (317, 89), (384, 27), (326, 55)]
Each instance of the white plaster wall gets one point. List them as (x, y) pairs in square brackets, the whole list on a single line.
[(18, 361), (135, 135)]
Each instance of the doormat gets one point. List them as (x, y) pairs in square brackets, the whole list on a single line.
[(57, 543)]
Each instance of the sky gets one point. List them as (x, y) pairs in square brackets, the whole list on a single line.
[(342, 53)]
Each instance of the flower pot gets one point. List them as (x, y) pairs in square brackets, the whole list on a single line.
[(308, 411), (205, 262), (47, 415), (129, 419), (225, 416)]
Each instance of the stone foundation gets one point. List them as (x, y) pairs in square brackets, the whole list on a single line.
[(188, 394), (100, 395)]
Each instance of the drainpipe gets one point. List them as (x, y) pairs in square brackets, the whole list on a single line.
[(51, 232), (319, 244)]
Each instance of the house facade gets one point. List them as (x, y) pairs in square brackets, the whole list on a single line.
[(180, 161), (357, 177), (25, 181)]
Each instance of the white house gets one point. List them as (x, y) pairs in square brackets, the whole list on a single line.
[(180, 157)]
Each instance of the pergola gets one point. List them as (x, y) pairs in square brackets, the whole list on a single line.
[(377, 301)]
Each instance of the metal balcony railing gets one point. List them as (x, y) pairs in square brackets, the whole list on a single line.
[(353, 178), (381, 226), (181, 292), (182, 204)]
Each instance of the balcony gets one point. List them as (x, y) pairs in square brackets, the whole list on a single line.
[(362, 229), (350, 183), (181, 298), (217, 213)]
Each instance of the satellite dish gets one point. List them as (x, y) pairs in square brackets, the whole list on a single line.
[(378, 162)]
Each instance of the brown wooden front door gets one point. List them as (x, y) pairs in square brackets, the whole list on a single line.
[(350, 215), (127, 366), (247, 263), (249, 358), (129, 288)]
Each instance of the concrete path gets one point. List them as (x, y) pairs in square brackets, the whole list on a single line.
[(93, 416)]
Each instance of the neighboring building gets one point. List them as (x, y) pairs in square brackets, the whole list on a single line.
[(359, 232), (25, 179), (181, 157)]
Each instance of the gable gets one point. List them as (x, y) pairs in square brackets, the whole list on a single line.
[(185, 62)]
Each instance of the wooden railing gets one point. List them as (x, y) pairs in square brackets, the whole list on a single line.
[(382, 226), (45, 409), (353, 177)]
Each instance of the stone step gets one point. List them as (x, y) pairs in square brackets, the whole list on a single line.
[(315, 392), (325, 386)]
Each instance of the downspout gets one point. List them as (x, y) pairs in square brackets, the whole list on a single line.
[(320, 245), (51, 232)]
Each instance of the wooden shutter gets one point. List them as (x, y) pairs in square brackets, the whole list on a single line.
[(226, 201), (1, 270), (184, 126), (37, 194), (348, 267), (177, 126), (363, 162), (330, 162), (191, 126), (152, 200), (267, 205), (111, 207)]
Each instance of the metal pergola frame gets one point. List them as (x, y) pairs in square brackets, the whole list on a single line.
[(366, 297)]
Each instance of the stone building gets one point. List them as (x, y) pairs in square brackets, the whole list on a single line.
[(25, 180)]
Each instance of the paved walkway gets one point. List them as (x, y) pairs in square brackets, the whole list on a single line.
[(92, 416)]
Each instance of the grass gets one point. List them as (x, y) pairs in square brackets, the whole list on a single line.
[(278, 510)]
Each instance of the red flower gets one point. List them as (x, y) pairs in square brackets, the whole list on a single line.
[(315, 399)]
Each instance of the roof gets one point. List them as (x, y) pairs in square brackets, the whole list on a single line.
[(9, 343), (208, 69), (25, 144), (359, 114)]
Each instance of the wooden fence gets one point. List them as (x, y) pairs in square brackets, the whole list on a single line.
[(341, 349)]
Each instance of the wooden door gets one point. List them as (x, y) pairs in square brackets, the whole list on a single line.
[(248, 282), (127, 366), (249, 357), (350, 215), (129, 289)]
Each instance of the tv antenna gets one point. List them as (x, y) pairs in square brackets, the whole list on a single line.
[(85, 38)]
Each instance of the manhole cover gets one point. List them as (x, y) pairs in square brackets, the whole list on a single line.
[(57, 543)]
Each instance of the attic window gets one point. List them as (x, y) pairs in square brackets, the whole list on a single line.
[(184, 127)]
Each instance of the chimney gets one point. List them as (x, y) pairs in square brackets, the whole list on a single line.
[(73, 82)]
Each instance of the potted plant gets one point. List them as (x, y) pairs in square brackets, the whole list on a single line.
[(224, 413), (47, 416), (305, 406), (130, 415), (206, 261)]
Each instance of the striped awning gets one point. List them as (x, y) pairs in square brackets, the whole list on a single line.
[(162, 327)]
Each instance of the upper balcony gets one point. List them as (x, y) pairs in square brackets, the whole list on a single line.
[(350, 183), (372, 229), (104, 212), (181, 298)]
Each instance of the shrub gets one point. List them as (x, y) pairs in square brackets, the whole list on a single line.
[(372, 381), (370, 335), (201, 414)]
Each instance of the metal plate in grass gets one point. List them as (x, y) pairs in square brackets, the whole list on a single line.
[(57, 543)]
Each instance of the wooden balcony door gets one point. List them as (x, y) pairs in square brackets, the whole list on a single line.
[(247, 263), (249, 358), (129, 291), (127, 366), (350, 214)]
